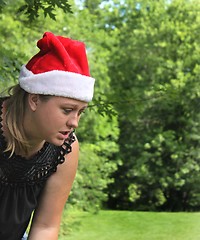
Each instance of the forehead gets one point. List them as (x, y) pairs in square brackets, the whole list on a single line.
[(70, 102)]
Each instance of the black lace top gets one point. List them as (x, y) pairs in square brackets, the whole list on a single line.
[(22, 181)]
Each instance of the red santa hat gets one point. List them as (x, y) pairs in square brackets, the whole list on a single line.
[(60, 68)]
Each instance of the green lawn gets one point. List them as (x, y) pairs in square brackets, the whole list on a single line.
[(125, 225)]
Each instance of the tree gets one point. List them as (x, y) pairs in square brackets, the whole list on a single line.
[(33, 8), (19, 26), (155, 71)]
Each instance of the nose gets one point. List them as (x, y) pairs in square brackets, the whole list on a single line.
[(73, 121)]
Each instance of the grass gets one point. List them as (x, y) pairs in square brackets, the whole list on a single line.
[(126, 225)]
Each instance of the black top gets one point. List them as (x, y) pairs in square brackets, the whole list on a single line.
[(22, 181)]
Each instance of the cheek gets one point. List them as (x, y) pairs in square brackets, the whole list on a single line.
[(45, 117), (54, 119)]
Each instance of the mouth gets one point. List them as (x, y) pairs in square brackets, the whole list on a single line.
[(65, 133)]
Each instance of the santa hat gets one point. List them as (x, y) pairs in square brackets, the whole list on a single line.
[(60, 68)]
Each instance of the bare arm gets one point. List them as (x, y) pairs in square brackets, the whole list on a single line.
[(47, 217)]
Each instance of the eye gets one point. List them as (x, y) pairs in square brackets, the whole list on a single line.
[(67, 110), (81, 111)]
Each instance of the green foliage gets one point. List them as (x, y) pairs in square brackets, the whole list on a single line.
[(93, 175), (33, 8), (2, 4), (15, 47), (156, 72)]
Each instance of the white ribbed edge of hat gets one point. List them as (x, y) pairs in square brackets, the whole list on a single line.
[(58, 83)]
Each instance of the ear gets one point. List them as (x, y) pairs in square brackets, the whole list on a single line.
[(33, 100)]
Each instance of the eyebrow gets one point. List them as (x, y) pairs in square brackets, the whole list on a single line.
[(74, 105)]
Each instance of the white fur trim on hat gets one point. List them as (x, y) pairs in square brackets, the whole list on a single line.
[(58, 83)]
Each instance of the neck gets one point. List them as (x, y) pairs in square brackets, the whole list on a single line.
[(31, 150)]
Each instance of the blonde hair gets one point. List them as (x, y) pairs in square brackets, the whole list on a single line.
[(16, 106), (15, 110)]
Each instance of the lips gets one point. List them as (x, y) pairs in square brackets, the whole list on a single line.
[(65, 133)]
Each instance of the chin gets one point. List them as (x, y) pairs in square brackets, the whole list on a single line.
[(57, 142)]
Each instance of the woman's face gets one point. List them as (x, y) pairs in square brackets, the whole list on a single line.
[(52, 120)]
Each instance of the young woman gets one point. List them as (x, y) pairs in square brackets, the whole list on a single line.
[(38, 147)]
